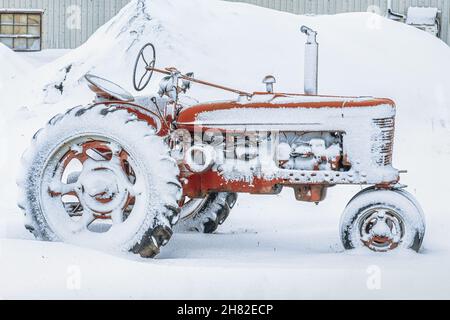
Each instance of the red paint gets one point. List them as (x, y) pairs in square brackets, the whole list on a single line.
[(198, 185)]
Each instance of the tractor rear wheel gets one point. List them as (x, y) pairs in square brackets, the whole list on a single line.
[(383, 220), (99, 177), (206, 215)]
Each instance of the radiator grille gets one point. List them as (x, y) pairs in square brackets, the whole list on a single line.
[(383, 141)]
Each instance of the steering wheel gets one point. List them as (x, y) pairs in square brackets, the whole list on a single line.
[(142, 62)]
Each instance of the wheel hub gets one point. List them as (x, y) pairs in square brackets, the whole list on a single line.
[(381, 229), (100, 190), (102, 187)]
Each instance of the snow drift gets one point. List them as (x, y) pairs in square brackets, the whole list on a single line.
[(11, 65), (237, 45)]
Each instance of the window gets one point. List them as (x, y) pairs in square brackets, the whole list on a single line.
[(21, 30)]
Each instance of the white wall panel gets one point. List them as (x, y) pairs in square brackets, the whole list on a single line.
[(56, 33), (95, 13), (341, 6)]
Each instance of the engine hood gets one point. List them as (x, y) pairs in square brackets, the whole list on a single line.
[(272, 110)]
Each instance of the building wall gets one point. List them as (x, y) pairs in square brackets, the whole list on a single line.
[(341, 6), (62, 29), (69, 23)]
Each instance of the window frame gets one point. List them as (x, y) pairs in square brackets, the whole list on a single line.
[(14, 36)]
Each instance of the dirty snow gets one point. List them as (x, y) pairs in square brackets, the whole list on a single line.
[(271, 247)]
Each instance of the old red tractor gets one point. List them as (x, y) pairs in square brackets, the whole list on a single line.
[(123, 171)]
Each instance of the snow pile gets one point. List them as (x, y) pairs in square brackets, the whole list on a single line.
[(237, 45), (11, 65)]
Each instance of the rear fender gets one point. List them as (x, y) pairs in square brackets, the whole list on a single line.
[(154, 120)]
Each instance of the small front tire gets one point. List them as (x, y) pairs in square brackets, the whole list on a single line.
[(206, 215), (383, 220)]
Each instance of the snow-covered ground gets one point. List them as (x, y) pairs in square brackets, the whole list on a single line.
[(271, 247)]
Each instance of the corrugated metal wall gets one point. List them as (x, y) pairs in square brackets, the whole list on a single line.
[(316, 6), (61, 26), (94, 13), (341, 6)]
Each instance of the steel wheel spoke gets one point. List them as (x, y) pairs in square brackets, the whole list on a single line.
[(86, 219), (58, 188), (117, 216), (96, 152)]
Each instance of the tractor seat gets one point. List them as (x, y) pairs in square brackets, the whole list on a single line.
[(107, 90)]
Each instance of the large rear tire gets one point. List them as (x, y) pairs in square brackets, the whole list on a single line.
[(206, 215), (99, 177), (383, 220)]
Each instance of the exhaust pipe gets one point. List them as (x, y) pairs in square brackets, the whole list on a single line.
[(311, 61)]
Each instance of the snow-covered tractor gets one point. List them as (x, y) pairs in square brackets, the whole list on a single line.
[(123, 171)]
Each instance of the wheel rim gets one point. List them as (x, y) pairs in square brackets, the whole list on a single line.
[(92, 186), (381, 228)]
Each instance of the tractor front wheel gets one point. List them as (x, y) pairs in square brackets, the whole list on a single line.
[(383, 220)]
